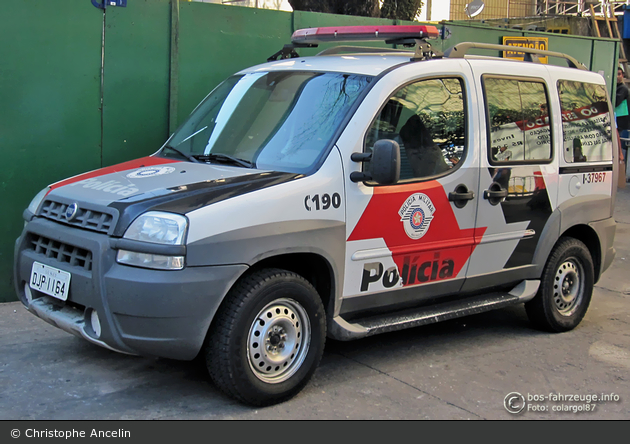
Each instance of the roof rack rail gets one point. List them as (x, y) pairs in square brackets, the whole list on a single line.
[(288, 51), (531, 54)]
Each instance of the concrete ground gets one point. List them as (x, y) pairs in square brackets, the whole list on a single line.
[(461, 369)]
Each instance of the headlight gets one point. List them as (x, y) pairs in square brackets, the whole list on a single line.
[(158, 228), (34, 205)]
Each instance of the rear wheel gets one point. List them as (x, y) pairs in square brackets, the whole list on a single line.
[(566, 287), (268, 338)]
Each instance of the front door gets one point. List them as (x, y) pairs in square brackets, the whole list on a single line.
[(410, 242)]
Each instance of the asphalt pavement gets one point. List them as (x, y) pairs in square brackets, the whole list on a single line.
[(460, 369)]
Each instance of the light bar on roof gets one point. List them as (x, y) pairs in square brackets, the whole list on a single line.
[(363, 33)]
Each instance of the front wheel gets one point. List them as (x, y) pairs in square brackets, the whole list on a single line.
[(566, 287), (268, 338)]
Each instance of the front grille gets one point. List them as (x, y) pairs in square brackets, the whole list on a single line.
[(62, 252), (85, 218)]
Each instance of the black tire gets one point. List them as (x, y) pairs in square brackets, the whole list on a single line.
[(565, 289), (291, 340)]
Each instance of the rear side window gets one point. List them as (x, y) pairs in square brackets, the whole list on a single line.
[(586, 122), (518, 118)]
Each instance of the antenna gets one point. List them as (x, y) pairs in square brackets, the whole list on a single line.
[(474, 8)]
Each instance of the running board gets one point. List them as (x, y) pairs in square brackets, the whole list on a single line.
[(359, 328)]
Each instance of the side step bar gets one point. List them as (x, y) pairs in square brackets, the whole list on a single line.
[(360, 328)]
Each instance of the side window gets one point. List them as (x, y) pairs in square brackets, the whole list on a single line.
[(586, 122), (427, 119), (519, 120)]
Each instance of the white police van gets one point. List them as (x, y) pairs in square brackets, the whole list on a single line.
[(352, 193)]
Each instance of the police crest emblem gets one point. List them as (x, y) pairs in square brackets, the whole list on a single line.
[(416, 215)]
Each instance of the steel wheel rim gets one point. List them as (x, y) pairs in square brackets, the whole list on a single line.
[(278, 341), (568, 289)]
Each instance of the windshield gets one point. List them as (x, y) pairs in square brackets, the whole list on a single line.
[(279, 121)]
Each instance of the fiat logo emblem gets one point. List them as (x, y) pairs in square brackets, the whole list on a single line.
[(71, 211)]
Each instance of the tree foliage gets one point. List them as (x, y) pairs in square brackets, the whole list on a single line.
[(391, 9), (401, 9), (365, 8)]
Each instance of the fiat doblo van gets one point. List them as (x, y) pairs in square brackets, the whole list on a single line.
[(356, 192)]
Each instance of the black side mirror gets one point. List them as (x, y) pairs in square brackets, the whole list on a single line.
[(384, 163)]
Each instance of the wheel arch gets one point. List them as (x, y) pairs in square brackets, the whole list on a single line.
[(311, 266), (577, 218), (590, 238)]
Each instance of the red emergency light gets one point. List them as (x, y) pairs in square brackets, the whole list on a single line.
[(363, 33)]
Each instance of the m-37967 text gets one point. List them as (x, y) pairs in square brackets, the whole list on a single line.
[(593, 177)]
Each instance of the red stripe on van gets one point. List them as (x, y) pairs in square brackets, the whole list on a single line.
[(125, 166)]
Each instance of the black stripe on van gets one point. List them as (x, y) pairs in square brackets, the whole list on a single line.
[(184, 199), (585, 169), (532, 205)]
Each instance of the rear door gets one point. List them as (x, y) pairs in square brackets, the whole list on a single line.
[(518, 172)]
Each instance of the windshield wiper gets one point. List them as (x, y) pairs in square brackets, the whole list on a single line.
[(183, 154), (224, 158)]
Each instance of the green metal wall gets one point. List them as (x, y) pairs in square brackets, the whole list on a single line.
[(159, 58), (135, 79), (216, 41), (50, 120), (303, 19)]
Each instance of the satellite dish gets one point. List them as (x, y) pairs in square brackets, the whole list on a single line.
[(474, 8)]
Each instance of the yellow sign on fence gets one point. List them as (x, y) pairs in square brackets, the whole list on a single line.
[(525, 42)]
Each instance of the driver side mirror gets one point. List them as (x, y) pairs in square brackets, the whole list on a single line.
[(384, 163)]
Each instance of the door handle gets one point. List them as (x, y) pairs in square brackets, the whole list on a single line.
[(460, 196), (495, 194)]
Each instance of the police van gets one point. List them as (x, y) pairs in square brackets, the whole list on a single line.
[(356, 192)]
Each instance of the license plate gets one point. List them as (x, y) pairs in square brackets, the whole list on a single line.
[(50, 280)]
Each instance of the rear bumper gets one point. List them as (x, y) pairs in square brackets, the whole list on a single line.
[(605, 230), (140, 311)]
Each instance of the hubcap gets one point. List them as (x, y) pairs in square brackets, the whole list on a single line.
[(278, 340), (568, 287)]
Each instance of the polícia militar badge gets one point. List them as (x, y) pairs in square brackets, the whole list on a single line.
[(416, 215)]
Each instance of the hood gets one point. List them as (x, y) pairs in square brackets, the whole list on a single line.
[(159, 184), (140, 179)]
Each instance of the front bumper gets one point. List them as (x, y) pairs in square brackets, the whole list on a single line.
[(141, 311)]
